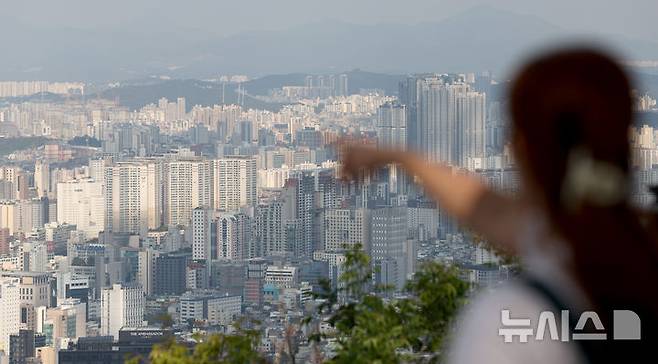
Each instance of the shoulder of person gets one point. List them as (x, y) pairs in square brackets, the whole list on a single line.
[(478, 339)]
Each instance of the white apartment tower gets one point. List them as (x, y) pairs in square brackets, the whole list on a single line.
[(271, 229), (121, 306), (392, 126), (80, 202), (450, 122), (42, 179), (346, 227), (234, 236), (10, 311), (202, 224), (188, 185), (235, 183), (133, 197), (146, 269), (388, 235), (471, 129)]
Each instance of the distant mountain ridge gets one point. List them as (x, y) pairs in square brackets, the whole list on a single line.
[(483, 38), (135, 95)]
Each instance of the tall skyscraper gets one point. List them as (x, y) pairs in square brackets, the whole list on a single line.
[(392, 134), (10, 310), (437, 119), (408, 96), (181, 110), (9, 216), (270, 228), (450, 124), (392, 126), (42, 179), (121, 306), (346, 227), (133, 201), (97, 169), (471, 129), (234, 236), (387, 238), (4, 240), (81, 202), (188, 185), (18, 182), (31, 214), (146, 269), (302, 187), (235, 182), (203, 234)]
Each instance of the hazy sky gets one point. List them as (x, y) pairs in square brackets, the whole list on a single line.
[(635, 18)]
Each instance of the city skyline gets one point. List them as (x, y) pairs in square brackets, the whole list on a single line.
[(192, 173)]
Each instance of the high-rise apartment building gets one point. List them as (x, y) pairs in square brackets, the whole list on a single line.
[(9, 216), (81, 202), (181, 110), (345, 228), (438, 118), (133, 201), (203, 234), (35, 213), (4, 240), (271, 229), (392, 126), (17, 182), (387, 238), (471, 129), (20, 294), (10, 310), (217, 235), (42, 179), (187, 185), (234, 236), (445, 119), (392, 134), (121, 306), (235, 182), (302, 190), (146, 274), (408, 96)]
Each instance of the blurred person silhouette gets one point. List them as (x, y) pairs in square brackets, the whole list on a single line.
[(583, 246)]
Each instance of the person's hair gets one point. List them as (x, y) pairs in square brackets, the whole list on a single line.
[(571, 112)]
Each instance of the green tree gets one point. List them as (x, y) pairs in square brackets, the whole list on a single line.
[(437, 295), (367, 327), (239, 348), (371, 329)]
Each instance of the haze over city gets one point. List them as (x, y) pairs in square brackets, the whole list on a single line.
[(96, 41), (323, 181)]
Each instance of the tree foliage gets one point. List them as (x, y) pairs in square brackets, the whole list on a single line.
[(367, 328), (239, 348), (371, 329), (11, 145)]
